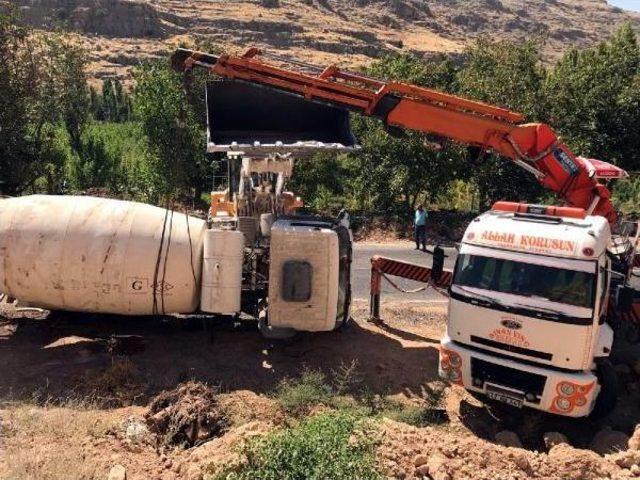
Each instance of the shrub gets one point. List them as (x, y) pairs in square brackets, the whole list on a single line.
[(416, 415), (297, 396), (338, 445), (428, 412)]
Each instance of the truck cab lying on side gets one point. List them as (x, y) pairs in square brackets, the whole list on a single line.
[(527, 322)]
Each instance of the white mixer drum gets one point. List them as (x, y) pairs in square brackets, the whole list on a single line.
[(99, 255)]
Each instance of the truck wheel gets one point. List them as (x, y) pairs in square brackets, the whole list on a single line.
[(608, 396), (344, 324), (274, 333)]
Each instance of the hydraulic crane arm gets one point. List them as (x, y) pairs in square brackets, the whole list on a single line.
[(533, 146)]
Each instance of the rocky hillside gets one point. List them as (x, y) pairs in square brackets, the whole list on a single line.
[(121, 32)]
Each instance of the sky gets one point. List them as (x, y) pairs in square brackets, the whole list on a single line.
[(627, 4)]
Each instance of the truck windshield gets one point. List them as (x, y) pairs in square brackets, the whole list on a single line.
[(517, 278)]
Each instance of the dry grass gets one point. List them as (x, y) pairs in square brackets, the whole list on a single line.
[(42, 463), (61, 439), (119, 385), (48, 443)]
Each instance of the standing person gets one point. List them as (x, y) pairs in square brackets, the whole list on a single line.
[(420, 224)]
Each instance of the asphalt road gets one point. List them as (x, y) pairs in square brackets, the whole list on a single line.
[(361, 273)]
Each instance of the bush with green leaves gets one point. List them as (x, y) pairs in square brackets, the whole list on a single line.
[(594, 99), (297, 396), (336, 445), (626, 197), (114, 156), (39, 93), (427, 411)]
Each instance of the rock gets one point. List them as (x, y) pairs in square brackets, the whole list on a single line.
[(625, 459), (437, 467), (422, 471), (634, 441), (551, 439), (136, 431), (117, 472), (507, 438), (420, 460), (5, 426), (609, 441), (522, 462), (635, 470)]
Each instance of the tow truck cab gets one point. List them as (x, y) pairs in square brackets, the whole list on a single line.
[(527, 312)]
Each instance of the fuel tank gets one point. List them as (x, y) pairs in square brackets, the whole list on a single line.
[(99, 255)]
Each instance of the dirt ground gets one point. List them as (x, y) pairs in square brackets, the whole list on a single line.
[(48, 357), (64, 379)]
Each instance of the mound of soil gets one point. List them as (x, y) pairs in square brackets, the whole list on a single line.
[(187, 415), (410, 452)]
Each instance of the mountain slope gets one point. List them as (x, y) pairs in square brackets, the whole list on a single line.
[(119, 33)]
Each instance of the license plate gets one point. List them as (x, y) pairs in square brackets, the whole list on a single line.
[(505, 396)]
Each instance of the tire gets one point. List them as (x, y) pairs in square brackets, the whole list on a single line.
[(344, 325), (274, 333), (609, 389)]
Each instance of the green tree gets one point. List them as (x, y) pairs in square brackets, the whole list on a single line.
[(594, 95), (509, 75), (38, 93), (108, 100), (392, 174), (17, 143), (176, 139), (320, 181), (66, 84), (113, 104), (95, 100)]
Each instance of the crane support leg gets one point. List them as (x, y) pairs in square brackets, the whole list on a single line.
[(383, 267)]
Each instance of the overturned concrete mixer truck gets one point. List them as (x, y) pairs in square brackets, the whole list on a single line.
[(108, 256)]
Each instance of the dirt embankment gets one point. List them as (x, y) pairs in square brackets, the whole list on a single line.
[(67, 381)]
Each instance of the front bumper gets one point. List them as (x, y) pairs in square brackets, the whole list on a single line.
[(563, 393)]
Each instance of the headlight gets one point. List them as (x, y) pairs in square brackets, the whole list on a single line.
[(563, 404), (455, 361), (455, 375), (567, 389)]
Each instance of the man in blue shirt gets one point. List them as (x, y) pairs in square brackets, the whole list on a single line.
[(420, 224)]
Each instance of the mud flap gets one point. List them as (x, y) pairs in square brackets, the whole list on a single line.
[(257, 120)]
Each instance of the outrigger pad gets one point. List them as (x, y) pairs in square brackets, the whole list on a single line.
[(258, 120)]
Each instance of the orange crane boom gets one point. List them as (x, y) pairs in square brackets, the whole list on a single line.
[(533, 146)]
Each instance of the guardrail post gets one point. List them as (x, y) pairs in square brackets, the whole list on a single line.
[(374, 301)]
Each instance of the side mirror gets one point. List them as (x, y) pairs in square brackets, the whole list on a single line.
[(438, 263), (624, 298)]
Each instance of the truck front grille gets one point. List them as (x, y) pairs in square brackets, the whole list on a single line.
[(511, 348), (507, 377)]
